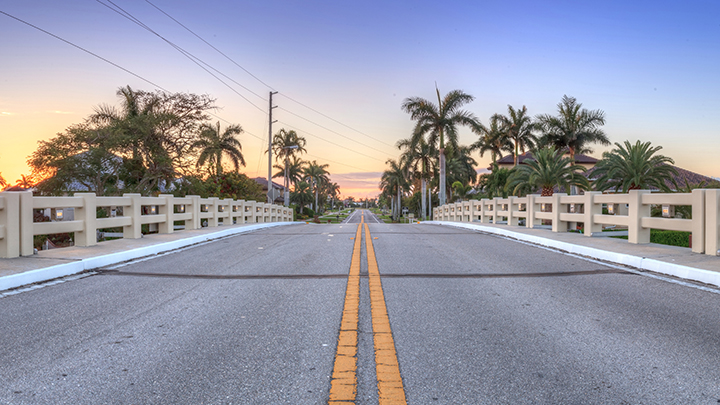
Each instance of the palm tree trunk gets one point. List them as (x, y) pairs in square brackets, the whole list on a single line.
[(423, 202), (429, 202), (399, 203), (441, 191)]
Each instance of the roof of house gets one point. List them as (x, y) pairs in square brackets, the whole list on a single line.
[(508, 159), (263, 182)]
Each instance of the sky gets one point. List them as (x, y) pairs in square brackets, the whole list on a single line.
[(342, 70)]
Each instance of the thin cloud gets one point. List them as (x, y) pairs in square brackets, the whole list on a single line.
[(61, 112), (6, 113)]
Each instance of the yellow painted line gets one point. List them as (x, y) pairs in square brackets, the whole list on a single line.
[(343, 388), (389, 381)]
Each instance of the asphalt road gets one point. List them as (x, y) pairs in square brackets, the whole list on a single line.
[(254, 319)]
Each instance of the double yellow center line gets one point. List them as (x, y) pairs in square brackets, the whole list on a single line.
[(343, 388)]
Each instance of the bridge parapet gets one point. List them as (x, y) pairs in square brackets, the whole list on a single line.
[(631, 211), (23, 216)]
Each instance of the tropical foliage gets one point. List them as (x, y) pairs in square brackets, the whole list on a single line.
[(547, 168), (520, 129), (633, 167), (574, 128), (213, 145), (439, 123)]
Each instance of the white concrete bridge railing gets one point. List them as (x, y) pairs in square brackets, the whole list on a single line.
[(17, 211), (631, 211)]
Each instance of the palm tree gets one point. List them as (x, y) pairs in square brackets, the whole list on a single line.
[(462, 166), (547, 168), (287, 144), (573, 128), (3, 182), (493, 184), (439, 122), (519, 127), (634, 167), (493, 139), (301, 195), (461, 190), (316, 174), (25, 182), (419, 159), (214, 145), (392, 182)]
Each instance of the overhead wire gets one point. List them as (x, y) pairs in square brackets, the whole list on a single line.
[(197, 61), (264, 83), (155, 84)]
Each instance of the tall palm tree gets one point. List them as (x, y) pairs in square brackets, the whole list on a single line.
[(547, 168), (287, 144), (520, 128), (419, 158), (439, 123), (462, 166), (316, 174), (573, 128), (392, 181), (634, 167), (493, 139), (213, 145)]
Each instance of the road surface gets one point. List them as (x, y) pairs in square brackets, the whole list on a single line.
[(256, 319)]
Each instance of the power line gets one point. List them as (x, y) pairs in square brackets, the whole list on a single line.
[(157, 85), (211, 46), (331, 142), (85, 50), (185, 53), (267, 85), (195, 60)]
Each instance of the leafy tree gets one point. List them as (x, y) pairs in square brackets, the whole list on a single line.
[(461, 167), (573, 128), (213, 145), (519, 128), (82, 156), (493, 139), (316, 174), (547, 168), (156, 132), (233, 185), (439, 123), (634, 167)]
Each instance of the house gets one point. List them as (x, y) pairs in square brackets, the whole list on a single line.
[(278, 190)]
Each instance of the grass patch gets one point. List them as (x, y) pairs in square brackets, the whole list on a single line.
[(670, 238)]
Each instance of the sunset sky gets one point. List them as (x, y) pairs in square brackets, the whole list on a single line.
[(652, 66)]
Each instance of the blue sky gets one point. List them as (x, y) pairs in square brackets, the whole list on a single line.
[(651, 66)]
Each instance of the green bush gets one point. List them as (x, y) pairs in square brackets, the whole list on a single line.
[(671, 238)]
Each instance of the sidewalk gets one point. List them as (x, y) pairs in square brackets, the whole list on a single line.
[(670, 260), (54, 263)]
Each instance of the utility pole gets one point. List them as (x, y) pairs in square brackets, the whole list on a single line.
[(270, 122)]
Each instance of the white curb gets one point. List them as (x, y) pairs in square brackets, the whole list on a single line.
[(66, 269), (676, 270)]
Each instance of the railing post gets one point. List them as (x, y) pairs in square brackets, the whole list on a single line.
[(168, 210), (530, 219), (227, 204), (495, 209), (26, 223), (698, 220), (9, 225), (194, 221), (88, 214), (590, 209), (512, 220), (636, 212), (712, 222), (134, 230), (557, 224)]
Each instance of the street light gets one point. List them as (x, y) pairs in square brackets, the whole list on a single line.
[(287, 182)]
